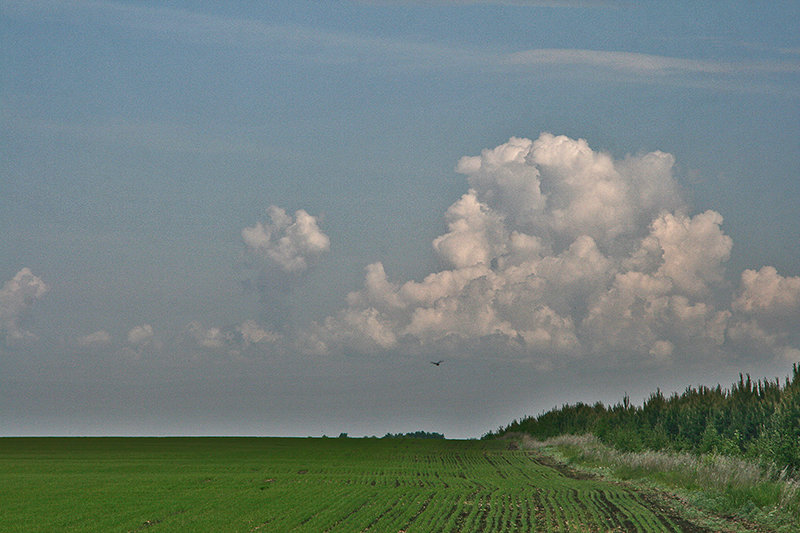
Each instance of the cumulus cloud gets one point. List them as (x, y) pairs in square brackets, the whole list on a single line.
[(231, 340), (16, 296), (213, 338), (290, 244), (693, 250), (97, 339), (253, 333), (766, 293), (141, 335), (281, 251), (560, 251), (142, 340), (768, 313), (475, 232)]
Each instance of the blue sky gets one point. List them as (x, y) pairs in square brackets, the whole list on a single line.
[(268, 219)]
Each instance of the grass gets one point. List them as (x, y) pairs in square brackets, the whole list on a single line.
[(720, 484), (314, 485)]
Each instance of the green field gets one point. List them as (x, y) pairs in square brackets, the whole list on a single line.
[(304, 484)]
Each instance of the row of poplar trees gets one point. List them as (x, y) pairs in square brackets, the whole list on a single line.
[(758, 419)]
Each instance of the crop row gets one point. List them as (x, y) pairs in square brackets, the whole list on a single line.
[(305, 485), (494, 490), (527, 509)]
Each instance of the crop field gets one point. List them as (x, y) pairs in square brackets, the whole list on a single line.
[(303, 484)]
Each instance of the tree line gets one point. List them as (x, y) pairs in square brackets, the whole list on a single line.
[(415, 435), (758, 419), (409, 435)]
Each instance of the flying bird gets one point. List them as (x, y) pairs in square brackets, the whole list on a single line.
[(437, 363)]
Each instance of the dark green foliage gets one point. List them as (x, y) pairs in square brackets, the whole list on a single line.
[(755, 419), (781, 436), (414, 435)]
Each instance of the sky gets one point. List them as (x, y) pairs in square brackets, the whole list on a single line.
[(269, 218)]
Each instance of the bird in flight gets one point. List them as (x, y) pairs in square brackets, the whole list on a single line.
[(437, 363)]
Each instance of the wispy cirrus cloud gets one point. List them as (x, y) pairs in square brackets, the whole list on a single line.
[(292, 42), (772, 75), (279, 41), (522, 3), (642, 63)]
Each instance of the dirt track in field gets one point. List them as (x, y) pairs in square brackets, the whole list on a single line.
[(661, 504)]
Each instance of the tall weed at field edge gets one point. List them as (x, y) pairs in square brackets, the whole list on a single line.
[(715, 482)]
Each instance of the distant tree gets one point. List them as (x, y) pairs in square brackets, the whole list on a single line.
[(414, 435)]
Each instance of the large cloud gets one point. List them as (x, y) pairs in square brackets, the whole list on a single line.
[(558, 250), (16, 296)]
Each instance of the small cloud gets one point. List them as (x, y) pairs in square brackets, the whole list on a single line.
[(232, 340), (16, 296), (211, 338), (662, 351), (614, 60), (290, 244), (253, 333), (282, 250), (141, 335), (97, 339)]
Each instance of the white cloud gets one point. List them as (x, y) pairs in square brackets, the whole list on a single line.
[(16, 296), (662, 351), (767, 309), (625, 61), (560, 251), (558, 189), (97, 339), (306, 44), (291, 244), (141, 335), (531, 3), (765, 292), (253, 333), (230, 340), (502, 176), (693, 250), (641, 64), (211, 338), (475, 232)]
